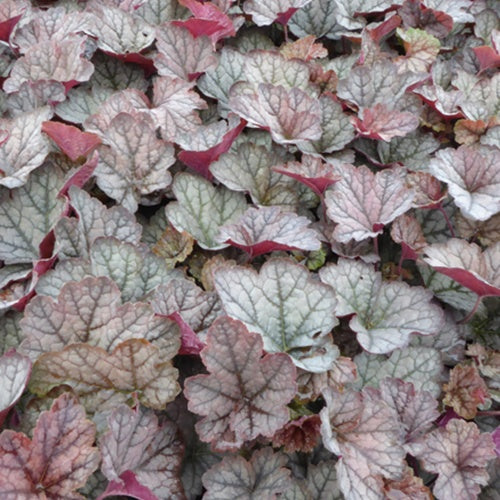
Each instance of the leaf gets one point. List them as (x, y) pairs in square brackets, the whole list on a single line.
[(245, 394), (119, 32), (267, 229), (465, 263), (75, 236), (380, 122), (202, 209), (290, 115), (173, 246), (133, 366), (421, 366), (406, 231), (377, 83), (322, 481), (264, 476), (136, 444), (458, 453), (362, 202), (72, 142), (28, 213), (32, 96), (421, 50), (249, 169), (90, 311), (415, 410), (387, 313), (15, 371), (299, 435), (363, 430), (265, 12), (208, 20), (465, 390), (409, 486), (311, 171), (156, 12), (181, 55), (292, 312), (473, 179), (11, 11), (25, 148), (457, 9), (304, 48), (174, 104), (57, 461), (134, 162), (417, 15), (59, 60)]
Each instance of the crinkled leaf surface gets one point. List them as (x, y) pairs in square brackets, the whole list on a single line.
[(292, 312), (91, 311), (386, 312), (201, 209), (362, 202), (57, 461), (266, 229), (465, 263), (458, 453), (15, 371), (245, 394), (28, 213), (290, 115), (264, 476), (134, 366), (59, 60), (316, 18), (25, 148), (182, 55), (134, 162), (473, 179), (75, 236), (363, 430), (137, 443)]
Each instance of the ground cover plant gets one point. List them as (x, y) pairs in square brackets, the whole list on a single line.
[(249, 249)]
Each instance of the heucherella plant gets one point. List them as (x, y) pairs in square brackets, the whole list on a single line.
[(249, 249)]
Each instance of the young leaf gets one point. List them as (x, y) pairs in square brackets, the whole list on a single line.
[(15, 371), (290, 115), (245, 394), (134, 162), (299, 435), (465, 390), (406, 230), (292, 312), (267, 229), (264, 476), (473, 178), (96, 375), (362, 202), (28, 213), (135, 444), (202, 209), (181, 55), (59, 60), (265, 12), (75, 236), (25, 147), (458, 453), (57, 461), (387, 313), (421, 50), (363, 430), (90, 311), (465, 263)]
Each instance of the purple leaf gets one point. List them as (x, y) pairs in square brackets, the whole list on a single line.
[(265, 12), (139, 455), (465, 263), (267, 229), (245, 394), (362, 202)]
